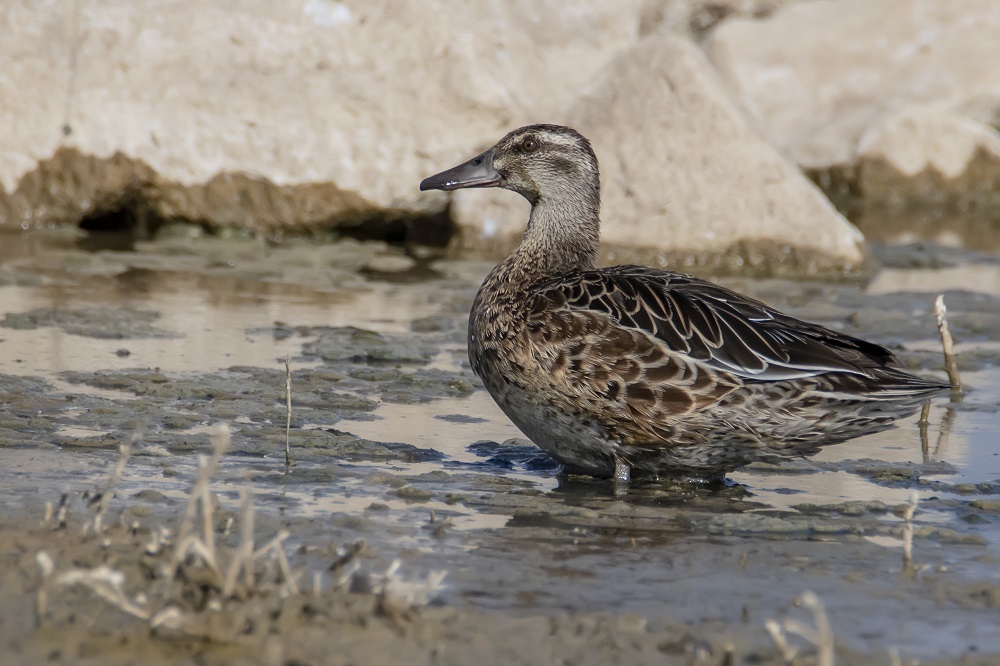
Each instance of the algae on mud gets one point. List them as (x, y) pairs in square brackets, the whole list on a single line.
[(390, 428)]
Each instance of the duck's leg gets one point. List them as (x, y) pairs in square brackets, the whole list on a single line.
[(623, 472)]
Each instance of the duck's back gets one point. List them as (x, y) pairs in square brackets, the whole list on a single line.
[(712, 325)]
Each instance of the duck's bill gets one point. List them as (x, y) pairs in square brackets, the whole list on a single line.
[(477, 172)]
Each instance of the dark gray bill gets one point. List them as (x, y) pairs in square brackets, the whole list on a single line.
[(477, 172)]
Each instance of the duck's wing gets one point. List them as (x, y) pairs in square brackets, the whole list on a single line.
[(712, 326), (621, 377), (635, 351)]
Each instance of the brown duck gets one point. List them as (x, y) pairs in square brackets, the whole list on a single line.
[(630, 368)]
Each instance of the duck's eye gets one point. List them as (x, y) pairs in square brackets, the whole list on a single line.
[(529, 145)]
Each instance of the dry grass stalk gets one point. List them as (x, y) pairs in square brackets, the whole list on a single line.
[(246, 537), (276, 547), (207, 509), (947, 344), (346, 575), (47, 566), (288, 412), (820, 636), (777, 635), (911, 509), (158, 536), (187, 543), (170, 617), (242, 561), (63, 513), (395, 596), (193, 546), (728, 655), (106, 583), (124, 453), (395, 592)]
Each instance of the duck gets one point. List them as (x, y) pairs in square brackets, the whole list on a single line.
[(631, 369)]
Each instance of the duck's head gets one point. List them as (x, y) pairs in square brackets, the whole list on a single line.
[(539, 162)]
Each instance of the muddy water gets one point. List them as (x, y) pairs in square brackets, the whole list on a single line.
[(395, 443)]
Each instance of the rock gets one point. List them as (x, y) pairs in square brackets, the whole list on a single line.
[(273, 115), (696, 17), (930, 154), (817, 75), (686, 181), (322, 114)]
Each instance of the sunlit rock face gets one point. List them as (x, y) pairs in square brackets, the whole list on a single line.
[(899, 98), (274, 115), (324, 114), (687, 183)]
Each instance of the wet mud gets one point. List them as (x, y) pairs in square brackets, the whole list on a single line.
[(404, 471)]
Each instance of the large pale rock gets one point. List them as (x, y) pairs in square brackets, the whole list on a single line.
[(930, 173), (693, 18), (817, 76), (268, 114), (322, 113), (902, 157), (686, 181)]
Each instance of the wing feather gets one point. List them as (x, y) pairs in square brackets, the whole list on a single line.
[(724, 330)]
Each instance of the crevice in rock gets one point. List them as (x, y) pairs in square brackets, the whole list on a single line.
[(118, 227), (121, 196), (132, 214), (398, 228)]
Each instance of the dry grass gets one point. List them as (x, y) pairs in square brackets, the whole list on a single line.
[(820, 636), (947, 344), (197, 573)]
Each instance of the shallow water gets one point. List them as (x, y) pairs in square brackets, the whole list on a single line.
[(389, 428)]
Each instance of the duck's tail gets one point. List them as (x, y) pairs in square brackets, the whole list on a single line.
[(893, 382), (880, 384)]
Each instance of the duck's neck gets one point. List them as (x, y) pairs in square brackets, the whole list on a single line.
[(563, 235)]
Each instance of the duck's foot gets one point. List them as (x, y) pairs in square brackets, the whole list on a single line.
[(623, 473)]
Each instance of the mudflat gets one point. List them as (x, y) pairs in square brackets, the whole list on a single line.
[(415, 524)]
